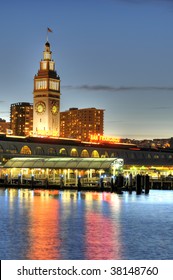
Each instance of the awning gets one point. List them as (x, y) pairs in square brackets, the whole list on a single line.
[(64, 163)]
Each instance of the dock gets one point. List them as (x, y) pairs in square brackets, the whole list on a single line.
[(139, 184)]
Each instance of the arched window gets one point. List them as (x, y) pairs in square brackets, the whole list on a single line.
[(74, 153), (25, 150), (39, 151), (12, 149), (63, 152), (95, 154), (140, 155), (1, 149), (84, 153), (51, 151), (132, 155), (156, 156), (114, 154), (105, 155)]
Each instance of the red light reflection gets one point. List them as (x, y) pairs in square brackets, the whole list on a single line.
[(102, 238)]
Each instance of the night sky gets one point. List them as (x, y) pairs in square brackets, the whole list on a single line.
[(115, 55)]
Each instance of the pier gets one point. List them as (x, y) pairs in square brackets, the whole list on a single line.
[(140, 184), (95, 174)]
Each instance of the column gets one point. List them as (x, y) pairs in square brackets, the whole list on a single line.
[(76, 171)]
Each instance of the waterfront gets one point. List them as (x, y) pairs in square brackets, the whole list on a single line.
[(52, 224)]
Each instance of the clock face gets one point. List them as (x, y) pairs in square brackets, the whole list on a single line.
[(54, 109), (40, 107)]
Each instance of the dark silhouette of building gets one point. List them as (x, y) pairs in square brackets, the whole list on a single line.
[(4, 126)]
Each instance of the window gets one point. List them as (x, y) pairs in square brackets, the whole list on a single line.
[(12, 149), (95, 154), (63, 152), (132, 155), (74, 153), (84, 153), (39, 151), (1, 149), (51, 151), (156, 156), (25, 150), (41, 84)]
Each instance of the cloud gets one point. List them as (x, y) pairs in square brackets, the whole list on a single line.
[(118, 89), (162, 108), (144, 1), (117, 121)]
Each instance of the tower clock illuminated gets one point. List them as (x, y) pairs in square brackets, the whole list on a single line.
[(46, 94), (40, 107)]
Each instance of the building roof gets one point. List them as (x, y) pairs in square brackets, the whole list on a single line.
[(64, 163)]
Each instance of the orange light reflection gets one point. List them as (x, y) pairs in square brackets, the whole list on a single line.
[(44, 229)]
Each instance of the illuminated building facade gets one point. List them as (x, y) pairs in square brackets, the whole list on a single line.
[(155, 163), (21, 118), (81, 123), (46, 108)]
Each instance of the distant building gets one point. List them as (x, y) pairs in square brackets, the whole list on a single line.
[(150, 143), (81, 123), (4, 126), (21, 118)]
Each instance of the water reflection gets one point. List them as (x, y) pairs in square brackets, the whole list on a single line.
[(102, 228), (43, 227), (50, 224)]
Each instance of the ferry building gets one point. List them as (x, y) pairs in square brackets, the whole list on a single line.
[(45, 155)]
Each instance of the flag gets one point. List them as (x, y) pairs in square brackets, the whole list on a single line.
[(49, 30)]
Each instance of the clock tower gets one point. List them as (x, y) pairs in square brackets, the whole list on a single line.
[(46, 105)]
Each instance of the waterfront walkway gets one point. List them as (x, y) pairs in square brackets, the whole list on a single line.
[(97, 185)]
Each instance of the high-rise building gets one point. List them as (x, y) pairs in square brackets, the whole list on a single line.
[(46, 107), (4, 126), (81, 123), (21, 118)]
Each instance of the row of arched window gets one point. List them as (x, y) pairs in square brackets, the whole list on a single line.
[(26, 150)]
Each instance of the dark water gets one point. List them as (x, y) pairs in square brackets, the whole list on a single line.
[(87, 225)]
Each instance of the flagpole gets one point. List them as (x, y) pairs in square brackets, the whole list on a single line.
[(48, 30), (47, 35)]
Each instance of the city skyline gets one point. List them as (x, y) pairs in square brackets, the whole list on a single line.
[(115, 55)]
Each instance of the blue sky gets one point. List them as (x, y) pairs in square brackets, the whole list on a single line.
[(111, 54)]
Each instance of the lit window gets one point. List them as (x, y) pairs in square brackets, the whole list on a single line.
[(84, 153), (25, 150), (95, 154), (63, 151), (51, 151), (74, 153), (156, 156)]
